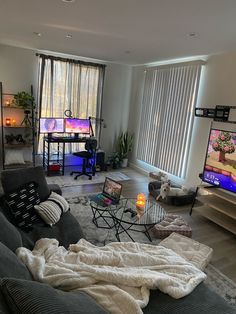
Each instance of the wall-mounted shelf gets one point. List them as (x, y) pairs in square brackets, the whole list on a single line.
[(220, 113)]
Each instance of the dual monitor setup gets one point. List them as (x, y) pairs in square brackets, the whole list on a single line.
[(65, 125)]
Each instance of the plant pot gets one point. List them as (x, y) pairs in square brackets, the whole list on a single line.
[(124, 163)]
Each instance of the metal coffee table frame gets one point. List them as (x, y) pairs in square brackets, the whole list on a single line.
[(103, 214), (125, 220)]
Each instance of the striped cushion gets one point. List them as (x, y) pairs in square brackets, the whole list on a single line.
[(31, 297), (51, 210), (60, 200)]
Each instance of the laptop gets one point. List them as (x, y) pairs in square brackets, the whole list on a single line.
[(110, 194)]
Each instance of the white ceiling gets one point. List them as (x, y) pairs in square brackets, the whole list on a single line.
[(122, 31)]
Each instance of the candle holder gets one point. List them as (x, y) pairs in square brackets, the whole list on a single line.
[(140, 204), (8, 103), (8, 122)]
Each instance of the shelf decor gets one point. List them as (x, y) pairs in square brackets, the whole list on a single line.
[(8, 121), (23, 100), (16, 137)]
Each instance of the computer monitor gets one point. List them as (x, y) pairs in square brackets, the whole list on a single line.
[(51, 125), (79, 126)]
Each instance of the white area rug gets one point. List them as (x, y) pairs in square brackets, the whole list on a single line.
[(81, 209), (67, 180)]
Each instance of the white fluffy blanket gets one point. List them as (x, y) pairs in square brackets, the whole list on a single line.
[(118, 276)]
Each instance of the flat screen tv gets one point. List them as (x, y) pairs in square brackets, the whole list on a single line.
[(79, 126), (220, 164), (51, 125)]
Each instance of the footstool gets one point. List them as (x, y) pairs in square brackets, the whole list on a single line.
[(172, 223)]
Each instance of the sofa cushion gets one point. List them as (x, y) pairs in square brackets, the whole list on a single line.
[(32, 297), (201, 301), (9, 235), (11, 266), (21, 203), (66, 231), (12, 179)]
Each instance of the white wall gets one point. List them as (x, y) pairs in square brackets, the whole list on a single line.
[(18, 69), (116, 104), (218, 86)]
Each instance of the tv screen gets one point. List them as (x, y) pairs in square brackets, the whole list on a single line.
[(80, 126), (220, 163), (51, 125)]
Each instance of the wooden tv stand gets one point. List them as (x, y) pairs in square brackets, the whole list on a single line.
[(216, 205)]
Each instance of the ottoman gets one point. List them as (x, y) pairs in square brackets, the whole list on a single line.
[(172, 223)]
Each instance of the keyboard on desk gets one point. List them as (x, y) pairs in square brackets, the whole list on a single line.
[(69, 138)]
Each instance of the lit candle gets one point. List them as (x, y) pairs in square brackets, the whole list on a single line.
[(141, 197), (7, 103), (13, 121), (8, 122), (140, 205)]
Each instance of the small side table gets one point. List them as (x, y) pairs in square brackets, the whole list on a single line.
[(102, 214)]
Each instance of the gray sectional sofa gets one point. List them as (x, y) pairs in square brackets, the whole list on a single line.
[(19, 293)]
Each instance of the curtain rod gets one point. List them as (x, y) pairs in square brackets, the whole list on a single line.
[(70, 60)]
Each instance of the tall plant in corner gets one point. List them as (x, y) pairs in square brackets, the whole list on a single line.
[(125, 145)]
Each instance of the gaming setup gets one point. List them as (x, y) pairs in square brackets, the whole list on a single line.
[(220, 163), (66, 125)]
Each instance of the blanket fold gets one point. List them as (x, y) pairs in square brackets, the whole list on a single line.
[(118, 276)]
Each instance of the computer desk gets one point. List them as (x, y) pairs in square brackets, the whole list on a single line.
[(56, 163)]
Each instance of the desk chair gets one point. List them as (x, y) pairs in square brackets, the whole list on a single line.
[(87, 156)]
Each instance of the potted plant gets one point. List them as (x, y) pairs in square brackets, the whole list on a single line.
[(125, 145), (23, 100), (115, 160)]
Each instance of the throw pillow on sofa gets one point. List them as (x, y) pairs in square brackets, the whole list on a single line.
[(21, 203), (60, 200), (52, 209), (31, 297)]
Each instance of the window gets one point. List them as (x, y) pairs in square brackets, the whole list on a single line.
[(69, 84), (169, 98)]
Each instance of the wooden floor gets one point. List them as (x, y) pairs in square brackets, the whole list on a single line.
[(204, 231)]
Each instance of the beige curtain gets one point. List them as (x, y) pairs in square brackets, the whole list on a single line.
[(70, 84)]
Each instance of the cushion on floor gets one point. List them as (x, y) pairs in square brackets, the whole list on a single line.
[(172, 223), (193, 251)]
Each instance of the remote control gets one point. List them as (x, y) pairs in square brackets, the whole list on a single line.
[(130, 210)]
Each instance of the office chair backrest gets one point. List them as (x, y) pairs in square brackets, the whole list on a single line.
[(91, 145)]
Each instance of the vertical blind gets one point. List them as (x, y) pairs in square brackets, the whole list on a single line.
[(169, 98), (70, 84)]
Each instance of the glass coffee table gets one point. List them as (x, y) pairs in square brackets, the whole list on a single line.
[(126, 219)]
